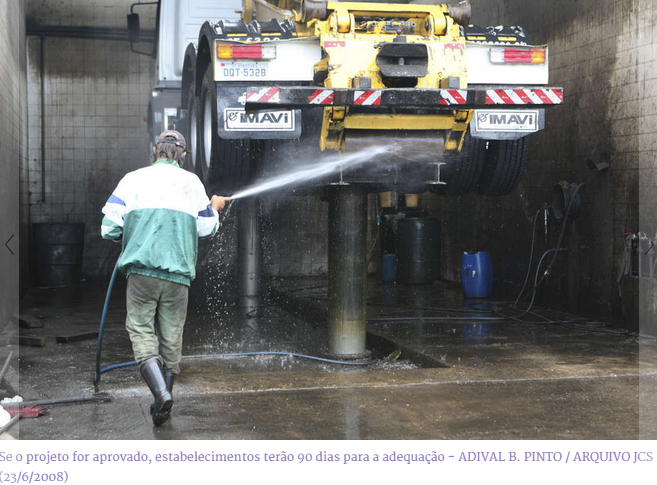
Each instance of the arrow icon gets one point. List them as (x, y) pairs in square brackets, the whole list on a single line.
[(7, 244)]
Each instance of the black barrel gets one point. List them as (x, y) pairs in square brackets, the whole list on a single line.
[(57, 253), (417, 250)]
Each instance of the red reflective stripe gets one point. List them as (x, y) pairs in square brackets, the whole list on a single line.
[(522, 95), (314, 95), (363, 97), (544, 97), (489, 100), (268, 95), (367, 98), (321, 96), (262, 96), (329, 99), (457, 97), (377, 101), (559, 94), (504, 96)]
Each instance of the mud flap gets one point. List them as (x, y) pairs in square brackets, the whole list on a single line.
[(235, 122)]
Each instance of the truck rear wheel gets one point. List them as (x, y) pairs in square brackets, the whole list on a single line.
[(191, 131), (224, 164), (504, 166), (462, 170)]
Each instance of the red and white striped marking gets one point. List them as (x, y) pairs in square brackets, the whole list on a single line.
[(321, 96), (367, 98), (264, 95), (524, 96), (453, 96)]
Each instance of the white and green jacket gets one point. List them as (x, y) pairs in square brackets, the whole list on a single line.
[(159, 212)]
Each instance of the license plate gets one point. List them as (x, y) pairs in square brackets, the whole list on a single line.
[(510, 121), (237, 119), (242, 70)]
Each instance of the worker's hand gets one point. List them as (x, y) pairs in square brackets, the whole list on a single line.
[(218, 202)]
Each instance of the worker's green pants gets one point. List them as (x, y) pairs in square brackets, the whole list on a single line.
[(156, 315)]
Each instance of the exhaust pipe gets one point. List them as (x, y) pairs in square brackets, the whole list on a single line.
[(313, 9), (461, 13), (317, 9)]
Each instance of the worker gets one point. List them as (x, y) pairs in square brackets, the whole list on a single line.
[(158, 213)]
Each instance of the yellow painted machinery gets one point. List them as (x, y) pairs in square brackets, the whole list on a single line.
[(376, 46), (347, 75)]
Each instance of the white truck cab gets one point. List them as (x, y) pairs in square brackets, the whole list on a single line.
[(178, 25)]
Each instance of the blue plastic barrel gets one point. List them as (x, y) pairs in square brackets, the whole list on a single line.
[(477, 274), (389, 269)]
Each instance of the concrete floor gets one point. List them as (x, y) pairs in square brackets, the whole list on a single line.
[(454, 379)]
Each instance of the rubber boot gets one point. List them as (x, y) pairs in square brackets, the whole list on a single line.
[(168, 379), (152, 374)]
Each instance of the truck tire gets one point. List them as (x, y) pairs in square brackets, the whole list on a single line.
[(225, 165), (462, 170), (504, 166), (191, 131)]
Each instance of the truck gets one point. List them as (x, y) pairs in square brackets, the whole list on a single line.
[(241, 78), (264, 87)]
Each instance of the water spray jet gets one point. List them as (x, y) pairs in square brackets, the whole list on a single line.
[(307, 173)]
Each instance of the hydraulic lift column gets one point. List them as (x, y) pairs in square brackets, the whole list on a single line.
[(249, 256), (347, 270)]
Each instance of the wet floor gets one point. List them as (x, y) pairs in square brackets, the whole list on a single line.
[(436, 374)]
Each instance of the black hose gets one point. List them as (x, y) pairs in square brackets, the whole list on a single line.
[(556, 250), (563, 229), (537, 284), (101, 330), (531, 257), (437, 319)]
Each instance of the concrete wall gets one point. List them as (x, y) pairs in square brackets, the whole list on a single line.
[(96, 94), (603, 53), (12, 152), (295, 236)]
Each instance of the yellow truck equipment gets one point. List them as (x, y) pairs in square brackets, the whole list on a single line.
[(347, 75), (449, 106)]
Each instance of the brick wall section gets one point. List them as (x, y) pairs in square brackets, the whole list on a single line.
[(603, 53), (12, 130), (96, 95), (94, 13)]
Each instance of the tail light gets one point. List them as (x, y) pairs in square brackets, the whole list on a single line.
[(246, 51), (517, 56)]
